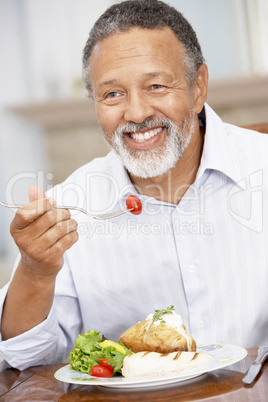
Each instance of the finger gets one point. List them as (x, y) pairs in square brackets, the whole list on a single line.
[(31, 211), (36, 193), (38, 249), (63, 244), (58, 230), (42, 224), (53, 255)]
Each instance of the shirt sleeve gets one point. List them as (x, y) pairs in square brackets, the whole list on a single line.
[(50, 341)]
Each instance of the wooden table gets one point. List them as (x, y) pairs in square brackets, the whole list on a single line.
[(39, 384)]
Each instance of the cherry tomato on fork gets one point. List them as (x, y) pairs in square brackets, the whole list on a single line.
[(101, 371), (134, 203)]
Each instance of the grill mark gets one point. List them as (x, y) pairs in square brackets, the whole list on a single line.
[(177, 356), (145, 353)]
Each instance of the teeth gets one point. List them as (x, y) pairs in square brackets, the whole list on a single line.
[(145, 136)]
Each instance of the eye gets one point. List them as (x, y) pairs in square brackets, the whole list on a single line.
[(112, 95), (157, 86)]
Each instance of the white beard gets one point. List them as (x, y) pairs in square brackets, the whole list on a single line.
[(157, 161)]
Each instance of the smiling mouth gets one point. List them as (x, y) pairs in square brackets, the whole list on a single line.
[(140, 137)]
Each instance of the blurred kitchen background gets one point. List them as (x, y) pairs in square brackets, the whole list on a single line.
[(48, 126)]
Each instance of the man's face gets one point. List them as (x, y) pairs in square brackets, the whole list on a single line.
[(145, 106)]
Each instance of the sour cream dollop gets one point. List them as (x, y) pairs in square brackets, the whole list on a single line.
[(173, 320)]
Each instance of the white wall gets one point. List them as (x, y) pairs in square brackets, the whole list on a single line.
[(233, 34), (43, 41), (20, 143)]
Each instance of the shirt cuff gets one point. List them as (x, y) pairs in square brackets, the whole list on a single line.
[(34, 347)]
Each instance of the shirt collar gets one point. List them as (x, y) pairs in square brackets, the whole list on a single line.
[(217, 154)]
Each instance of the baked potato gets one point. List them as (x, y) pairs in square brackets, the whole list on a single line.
[(157, 337)]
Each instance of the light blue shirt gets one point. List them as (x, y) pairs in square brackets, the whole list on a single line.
[(208, 256)]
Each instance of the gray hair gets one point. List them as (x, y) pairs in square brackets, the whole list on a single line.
[(147, 14)]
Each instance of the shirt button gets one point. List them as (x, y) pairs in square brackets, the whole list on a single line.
[(200, 324), (191, 269)]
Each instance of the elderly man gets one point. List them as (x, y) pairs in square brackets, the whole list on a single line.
[(201, 240)]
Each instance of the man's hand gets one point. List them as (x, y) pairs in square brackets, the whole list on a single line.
[(42, 234)]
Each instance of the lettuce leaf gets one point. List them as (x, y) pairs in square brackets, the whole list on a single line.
[(87, 352), (88, 342)]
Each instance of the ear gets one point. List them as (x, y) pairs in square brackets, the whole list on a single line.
[(200, 87)]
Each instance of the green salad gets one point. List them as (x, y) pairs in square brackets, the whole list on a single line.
[(91, 351)]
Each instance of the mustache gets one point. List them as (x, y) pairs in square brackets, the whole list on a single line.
[(147, 123)]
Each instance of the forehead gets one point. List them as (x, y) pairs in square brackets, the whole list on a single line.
[(137, 49)]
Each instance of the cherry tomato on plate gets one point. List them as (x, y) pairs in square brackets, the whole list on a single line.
[(104, 362), (134, 203), (101, 371)]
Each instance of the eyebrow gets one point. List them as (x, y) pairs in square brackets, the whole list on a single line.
[(102, 84), (156, 74), (151, 74)]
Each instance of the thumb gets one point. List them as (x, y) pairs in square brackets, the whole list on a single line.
[(36, 193)]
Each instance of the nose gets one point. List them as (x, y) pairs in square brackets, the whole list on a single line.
[(137, 108)]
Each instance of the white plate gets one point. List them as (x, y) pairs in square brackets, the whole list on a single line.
[(217, 357)]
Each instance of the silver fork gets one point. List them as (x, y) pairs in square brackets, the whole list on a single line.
[(108, 215)]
